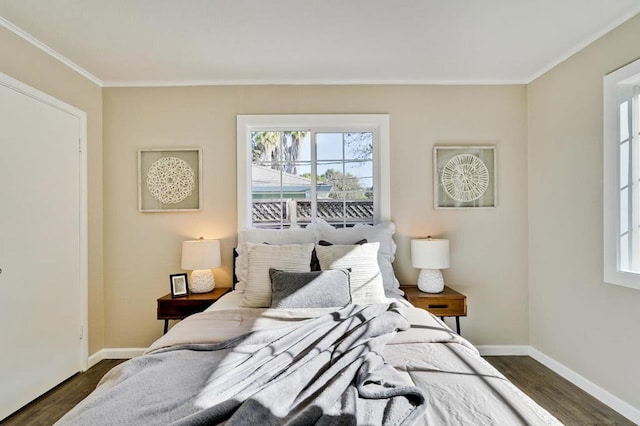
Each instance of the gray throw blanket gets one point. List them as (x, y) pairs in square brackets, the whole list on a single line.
[(326, 371)]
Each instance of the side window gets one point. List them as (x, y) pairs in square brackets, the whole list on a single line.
[(294, 169), (622, 176)]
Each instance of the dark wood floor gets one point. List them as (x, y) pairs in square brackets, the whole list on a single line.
[(48, 409), (567, 402)]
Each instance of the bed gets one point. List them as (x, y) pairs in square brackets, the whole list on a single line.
[(315, 332)]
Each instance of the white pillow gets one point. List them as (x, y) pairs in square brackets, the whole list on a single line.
[(288, 258), (362, 261), (271, 236), (382, 233)]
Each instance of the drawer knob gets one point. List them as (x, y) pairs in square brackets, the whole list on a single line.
[(439, 306)]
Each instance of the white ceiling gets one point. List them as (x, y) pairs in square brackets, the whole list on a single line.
[(178, 42)]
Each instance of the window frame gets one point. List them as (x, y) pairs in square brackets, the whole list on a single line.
[(617, 86), (316, 123)]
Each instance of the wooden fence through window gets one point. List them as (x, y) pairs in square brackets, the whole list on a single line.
[(285, 212)]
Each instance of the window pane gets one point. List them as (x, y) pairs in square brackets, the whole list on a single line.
[(329, 146), (288, 147), (280, 174), (624, 253), (345, 197), (349, 188), (363, 170), (637, 113), (349, 180), (266, 146), (303, 211), (358, 146), (346, 212), (302, 169), (331, 210), (624, 211), (269, 213), (356, 176), (330, 177), (303, 142), (624, 164), (624, 121)]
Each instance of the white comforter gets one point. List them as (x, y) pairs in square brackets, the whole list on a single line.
[(460, 387)]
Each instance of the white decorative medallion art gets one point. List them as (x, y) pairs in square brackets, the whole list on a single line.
[(464, 176), (170, 180)]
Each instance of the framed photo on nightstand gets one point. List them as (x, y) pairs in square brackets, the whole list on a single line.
[(179, 286)]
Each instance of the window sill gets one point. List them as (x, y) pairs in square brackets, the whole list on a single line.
[(624, 279)]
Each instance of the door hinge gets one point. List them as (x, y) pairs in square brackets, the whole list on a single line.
[(79, 145), (81, 332)]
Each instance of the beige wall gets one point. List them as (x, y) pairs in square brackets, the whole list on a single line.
[(575, 318), (32, 66), (488, 247)]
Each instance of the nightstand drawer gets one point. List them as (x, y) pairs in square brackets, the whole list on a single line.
[(181, 307), (170, 308), (449, 303), (178, 309), (443, 308)]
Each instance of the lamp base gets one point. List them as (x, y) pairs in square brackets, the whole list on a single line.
[(201, 281), (431, 281)]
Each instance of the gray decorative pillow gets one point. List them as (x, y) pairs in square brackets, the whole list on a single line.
[(316, 289)]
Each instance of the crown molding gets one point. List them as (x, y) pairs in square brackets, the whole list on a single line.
[(40, 45), (586, 42), (185, 83)]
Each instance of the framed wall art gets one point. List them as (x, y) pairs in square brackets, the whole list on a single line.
[(464, 177), (169, 180)]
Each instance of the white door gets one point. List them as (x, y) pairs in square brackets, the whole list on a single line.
[(40, 248)]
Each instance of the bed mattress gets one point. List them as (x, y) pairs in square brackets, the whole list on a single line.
[(455, 386)]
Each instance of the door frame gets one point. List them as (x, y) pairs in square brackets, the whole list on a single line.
[(24, 89)]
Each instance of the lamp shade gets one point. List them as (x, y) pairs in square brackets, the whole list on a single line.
[(430, 253), (201, 254)]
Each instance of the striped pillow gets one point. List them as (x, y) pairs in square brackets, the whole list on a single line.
[(365, 277), (261, 257)]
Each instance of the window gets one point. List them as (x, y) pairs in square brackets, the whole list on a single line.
[(293, 169), (622, 176)]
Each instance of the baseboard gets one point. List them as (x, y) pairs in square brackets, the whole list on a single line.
[(622, 407), (115, 353), (586, 385), (503, 350)]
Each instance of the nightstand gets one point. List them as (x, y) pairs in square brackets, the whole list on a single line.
[(181, 307), (449, 303)]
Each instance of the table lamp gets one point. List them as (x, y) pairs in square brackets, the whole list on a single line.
[(200, 256), (430, 255)]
